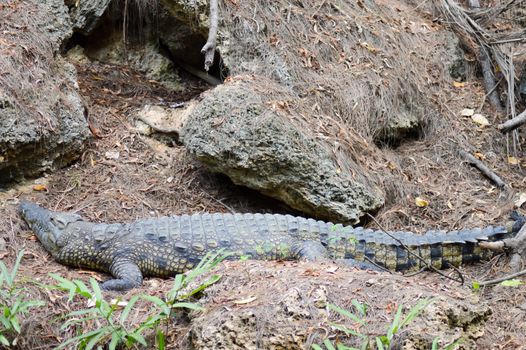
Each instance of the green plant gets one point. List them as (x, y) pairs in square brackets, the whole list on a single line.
[(114, 328), (380, 342), (14, 302)]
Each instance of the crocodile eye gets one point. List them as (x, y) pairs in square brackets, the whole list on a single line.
[(58, 222)]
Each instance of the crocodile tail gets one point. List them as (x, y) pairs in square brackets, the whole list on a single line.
[(398, 250)]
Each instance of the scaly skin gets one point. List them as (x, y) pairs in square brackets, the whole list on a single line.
[(166, 246)]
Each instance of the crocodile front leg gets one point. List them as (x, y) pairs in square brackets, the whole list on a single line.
[(127, 275)]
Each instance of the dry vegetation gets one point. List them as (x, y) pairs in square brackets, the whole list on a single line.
[(345, 86)]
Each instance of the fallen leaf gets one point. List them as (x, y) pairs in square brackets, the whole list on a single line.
[(512, 160), (480, 156), (391, 165), (480, 119), (91, 302), (332, 269), (311, 272), (245, 301), (521, 200), (467, 112), (118, 302), (39, 188), (421, 202), (459, 84)]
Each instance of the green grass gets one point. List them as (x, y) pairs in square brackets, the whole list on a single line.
[(367, 341), (114, 329), (14, 303)]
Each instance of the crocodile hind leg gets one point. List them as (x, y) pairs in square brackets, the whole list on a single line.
[(127, 276)]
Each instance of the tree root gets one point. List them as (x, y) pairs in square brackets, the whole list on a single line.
[(516, 245), (210, 47)]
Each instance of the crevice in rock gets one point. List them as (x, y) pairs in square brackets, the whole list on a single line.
[(148, 38)]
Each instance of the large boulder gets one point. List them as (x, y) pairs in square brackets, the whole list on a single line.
[(234, 131), (42, 123)]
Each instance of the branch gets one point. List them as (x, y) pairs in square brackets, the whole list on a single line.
[(513, 123), (483, 168), (210, 47), (502, 279), (489, 80)]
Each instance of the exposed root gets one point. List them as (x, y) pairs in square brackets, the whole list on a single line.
[(210, 47), (516, 245)]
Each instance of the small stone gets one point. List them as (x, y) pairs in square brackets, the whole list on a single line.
[(114, 155)]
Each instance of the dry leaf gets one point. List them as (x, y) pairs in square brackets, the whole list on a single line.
[(311, 272), (459, 84), (332, 269), (421, 202), (118, 302), (245, 301), (391, 165), (512, 160), (91, 302), (521, 200), (39, 188), (467, 112), (480, 156), (480, 119)]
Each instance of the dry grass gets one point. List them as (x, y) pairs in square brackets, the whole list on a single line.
[(30, 74), (349, 67), (340, 97)]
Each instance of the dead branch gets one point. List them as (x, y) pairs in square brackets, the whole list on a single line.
[(489, 80), (502, 279), (512, 124), (516, 244), (483, 168), (210, 47)]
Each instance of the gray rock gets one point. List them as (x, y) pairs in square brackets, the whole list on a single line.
[(86, 15), (233, 131), (398, 128), (185, 29), (146, 59), (42, 124)]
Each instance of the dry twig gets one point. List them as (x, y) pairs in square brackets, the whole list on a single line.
[(483, 168), (513, 123), (210, 47)]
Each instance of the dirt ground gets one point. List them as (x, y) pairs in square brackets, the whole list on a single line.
[(123, 176)]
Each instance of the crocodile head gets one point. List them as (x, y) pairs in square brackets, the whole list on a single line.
[(47, 225)]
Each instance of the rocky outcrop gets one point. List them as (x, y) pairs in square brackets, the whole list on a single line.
[(233, 131), (255, 307), (399, 127), (85, 15), (42, 124)]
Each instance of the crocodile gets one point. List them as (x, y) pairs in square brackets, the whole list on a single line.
[(166, 246)]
